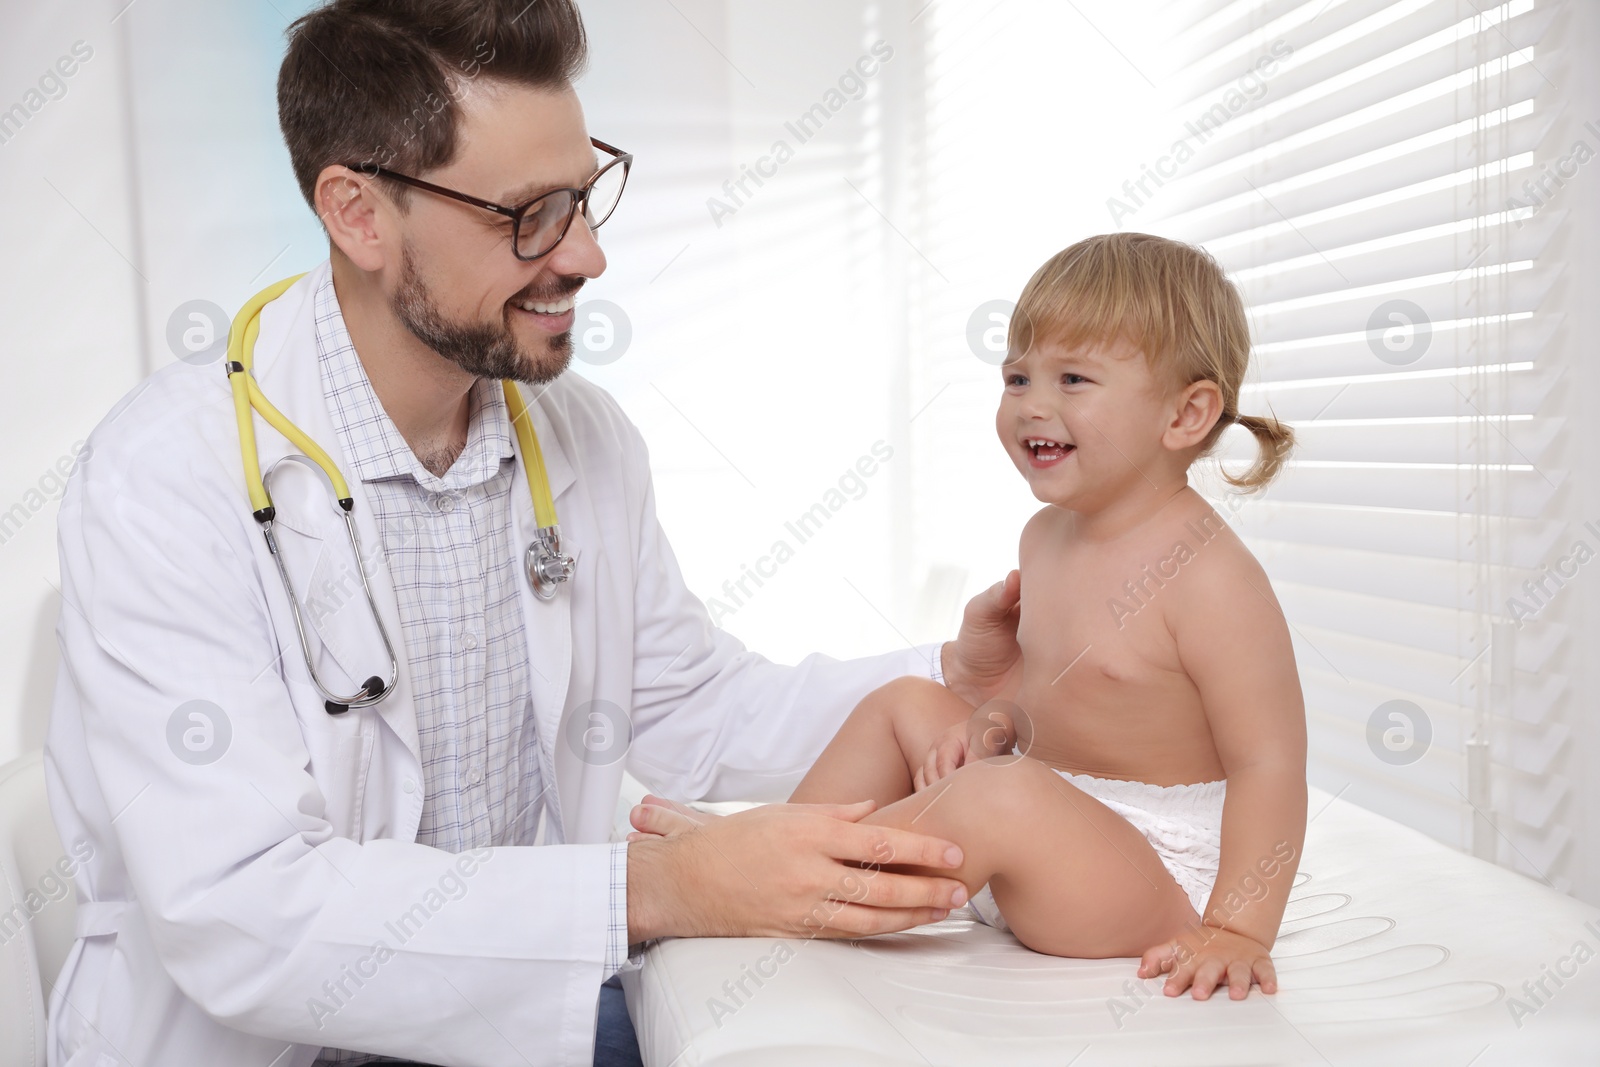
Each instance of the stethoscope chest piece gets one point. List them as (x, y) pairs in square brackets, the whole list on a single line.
[(548, 567)]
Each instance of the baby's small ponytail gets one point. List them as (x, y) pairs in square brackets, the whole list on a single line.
[(1276, 441)]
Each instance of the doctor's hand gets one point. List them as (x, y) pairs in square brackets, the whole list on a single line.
[(984, 659), (781, 870)]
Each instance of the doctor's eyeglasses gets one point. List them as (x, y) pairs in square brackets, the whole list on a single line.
[(538, 225)]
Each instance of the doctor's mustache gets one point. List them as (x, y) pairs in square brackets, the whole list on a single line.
[(565, 287)]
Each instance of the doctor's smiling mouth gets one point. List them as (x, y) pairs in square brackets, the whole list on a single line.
[(532, 342)]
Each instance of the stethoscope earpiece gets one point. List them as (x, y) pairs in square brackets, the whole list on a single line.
[(368, 688)]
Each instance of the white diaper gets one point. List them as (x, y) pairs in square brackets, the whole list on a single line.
[(1183, 823)]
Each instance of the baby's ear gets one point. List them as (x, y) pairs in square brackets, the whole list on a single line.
[(1195, 410)]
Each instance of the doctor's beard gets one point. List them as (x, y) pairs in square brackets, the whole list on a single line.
[(487, 351)]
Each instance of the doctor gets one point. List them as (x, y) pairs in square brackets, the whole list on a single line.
[(277, 882)]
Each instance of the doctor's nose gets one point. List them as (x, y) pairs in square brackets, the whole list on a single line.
[(578, 252)]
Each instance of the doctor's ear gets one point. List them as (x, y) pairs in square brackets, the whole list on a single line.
[(1196, 408), (348, 204)]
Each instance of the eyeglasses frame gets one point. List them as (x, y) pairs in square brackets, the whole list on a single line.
[(519, 212)]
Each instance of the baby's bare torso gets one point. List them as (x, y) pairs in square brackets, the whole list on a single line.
[(1103, 685)]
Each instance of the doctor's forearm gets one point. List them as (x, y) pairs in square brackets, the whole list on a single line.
[(656, 905)]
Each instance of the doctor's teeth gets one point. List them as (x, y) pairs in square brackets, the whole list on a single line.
[(555, 307)]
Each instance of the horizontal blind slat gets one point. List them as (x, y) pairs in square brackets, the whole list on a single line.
[(1317, 112), (1205, 183)]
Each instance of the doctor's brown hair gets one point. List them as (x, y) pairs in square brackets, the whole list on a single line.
[(1169, 300), (375, 82)]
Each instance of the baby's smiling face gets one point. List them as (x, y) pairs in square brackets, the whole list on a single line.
[(1085, 426)]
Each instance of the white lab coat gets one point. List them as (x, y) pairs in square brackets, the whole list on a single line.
[(233, 911)]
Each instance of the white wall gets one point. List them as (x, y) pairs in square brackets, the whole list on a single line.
[(122, 186), (763, 357)]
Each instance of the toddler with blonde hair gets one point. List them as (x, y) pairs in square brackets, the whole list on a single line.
[(1135, 784)]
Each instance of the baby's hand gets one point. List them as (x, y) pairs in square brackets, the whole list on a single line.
[(947, 753), (1226, 958), (965, 742)]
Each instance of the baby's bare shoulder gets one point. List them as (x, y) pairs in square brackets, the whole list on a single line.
[(1047, 526), (1220, 570)]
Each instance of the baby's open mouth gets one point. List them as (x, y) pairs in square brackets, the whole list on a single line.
[(1045, 449)]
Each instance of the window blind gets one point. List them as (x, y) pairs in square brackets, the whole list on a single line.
[(1388, 200)]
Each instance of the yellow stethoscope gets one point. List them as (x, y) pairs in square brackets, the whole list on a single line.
[(547, 566)]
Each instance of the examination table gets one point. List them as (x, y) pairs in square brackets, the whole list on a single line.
[(1395, 949)]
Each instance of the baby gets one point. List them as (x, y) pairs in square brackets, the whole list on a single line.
[(1137, 785)]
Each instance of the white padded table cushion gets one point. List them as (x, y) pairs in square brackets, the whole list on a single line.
[(1395, 949)]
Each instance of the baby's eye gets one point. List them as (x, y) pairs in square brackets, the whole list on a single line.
[(1073, 379), (1016, 379)]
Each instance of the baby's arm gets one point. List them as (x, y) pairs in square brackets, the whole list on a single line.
[(1233, 642)]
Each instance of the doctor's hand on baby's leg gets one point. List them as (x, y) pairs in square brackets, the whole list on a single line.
[(782, 870), (802, 869)]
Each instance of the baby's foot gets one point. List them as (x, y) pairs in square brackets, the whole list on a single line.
[(659, 817)]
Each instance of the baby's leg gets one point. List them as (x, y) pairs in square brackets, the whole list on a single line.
[(1070, 876), (882, 743)]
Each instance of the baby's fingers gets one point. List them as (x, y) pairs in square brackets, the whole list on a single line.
[(1207, 977), (1266, 975), (950, 758), (1238, 980), (1158, 960)]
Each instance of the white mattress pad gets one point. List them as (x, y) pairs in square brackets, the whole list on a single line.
[(1395, 949)]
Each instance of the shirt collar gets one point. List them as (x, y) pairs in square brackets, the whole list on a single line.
[(370, 438)]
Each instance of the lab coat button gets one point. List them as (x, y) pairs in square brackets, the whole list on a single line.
[(409, 786)]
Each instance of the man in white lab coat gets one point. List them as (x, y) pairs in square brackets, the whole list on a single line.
[(274, 879)]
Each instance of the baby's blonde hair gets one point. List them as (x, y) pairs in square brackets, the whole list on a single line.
[(1172, 302)]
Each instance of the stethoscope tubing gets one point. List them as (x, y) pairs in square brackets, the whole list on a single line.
[(547, 567)]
